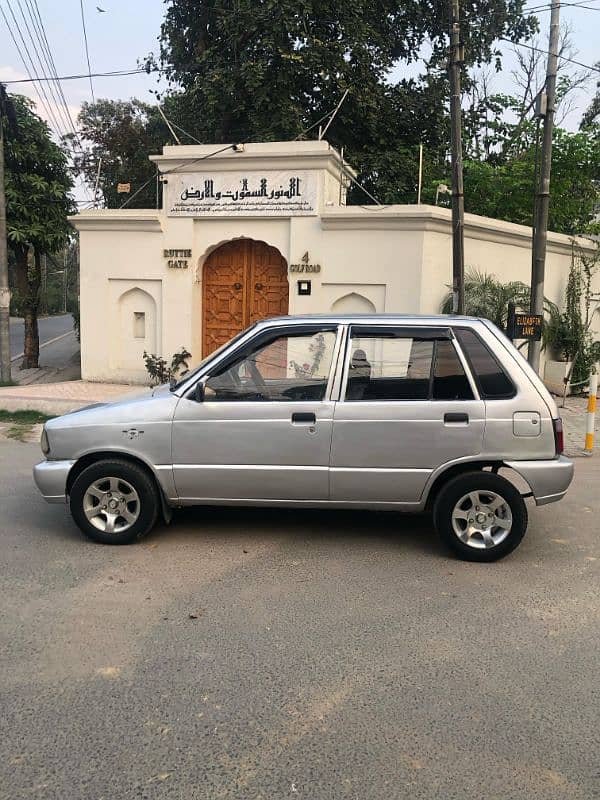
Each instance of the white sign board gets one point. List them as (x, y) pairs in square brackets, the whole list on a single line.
[(226, 194)]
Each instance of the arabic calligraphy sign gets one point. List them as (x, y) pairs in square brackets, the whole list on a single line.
[(242, 193)]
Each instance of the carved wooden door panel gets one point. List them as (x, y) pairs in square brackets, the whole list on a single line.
[(223, 295), (244, 281), (269, 296)]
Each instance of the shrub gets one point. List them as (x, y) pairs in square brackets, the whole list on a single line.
[(160, 372)]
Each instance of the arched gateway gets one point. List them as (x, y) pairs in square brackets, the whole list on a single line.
[(243, 281)]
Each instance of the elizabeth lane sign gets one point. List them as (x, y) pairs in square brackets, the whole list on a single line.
[(226, 194)]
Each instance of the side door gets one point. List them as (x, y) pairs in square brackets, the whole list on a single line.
[(407, 405), (261, 429)]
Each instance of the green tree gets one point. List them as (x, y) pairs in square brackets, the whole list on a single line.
[(261, 70), (38, 181), (121, 133), (592, 113), (503, 186)]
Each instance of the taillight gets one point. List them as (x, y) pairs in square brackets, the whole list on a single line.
[(559, 441)]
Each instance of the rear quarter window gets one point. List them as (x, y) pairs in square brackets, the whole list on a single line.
[(492, 380)]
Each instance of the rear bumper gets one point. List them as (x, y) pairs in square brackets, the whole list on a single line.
[(548, 480), (51, 479)]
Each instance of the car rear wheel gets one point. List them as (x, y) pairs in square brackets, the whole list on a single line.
[(480, 516), (114, 502)]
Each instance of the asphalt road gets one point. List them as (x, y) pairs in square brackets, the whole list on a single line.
[(49, 327), (271, 654)]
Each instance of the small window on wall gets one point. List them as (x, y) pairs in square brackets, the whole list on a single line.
[(139, 325)]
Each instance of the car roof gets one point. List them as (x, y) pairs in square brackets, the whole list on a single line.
[(393, 319)]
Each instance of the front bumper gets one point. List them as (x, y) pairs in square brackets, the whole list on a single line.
[(548, 480), (51, 479)]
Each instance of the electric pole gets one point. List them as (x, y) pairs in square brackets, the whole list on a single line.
[(5, 376), (542, 195), (458, 197)]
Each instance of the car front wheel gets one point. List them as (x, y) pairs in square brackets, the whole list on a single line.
[(480, 516), (114, 502)]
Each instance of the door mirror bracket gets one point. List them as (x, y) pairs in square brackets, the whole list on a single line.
[(198, 391)]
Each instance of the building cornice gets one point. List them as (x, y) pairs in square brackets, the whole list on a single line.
[(439, 220), (108, 219), (313, 155)]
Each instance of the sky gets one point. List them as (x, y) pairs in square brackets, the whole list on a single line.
[(127, 30)]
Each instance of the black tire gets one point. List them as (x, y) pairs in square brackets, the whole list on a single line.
[(462, 485), (136, 477)]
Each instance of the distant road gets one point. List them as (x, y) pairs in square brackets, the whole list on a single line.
[(50, 328)]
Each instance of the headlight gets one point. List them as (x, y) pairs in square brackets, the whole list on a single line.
[(44, 444)]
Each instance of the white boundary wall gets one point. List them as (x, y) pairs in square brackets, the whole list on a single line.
[(385, 259)]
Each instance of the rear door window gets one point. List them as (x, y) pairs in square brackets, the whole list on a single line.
[(394, 365), (450, 381), (492, 380)]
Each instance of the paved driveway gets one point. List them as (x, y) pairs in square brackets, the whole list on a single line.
[(270, 654)]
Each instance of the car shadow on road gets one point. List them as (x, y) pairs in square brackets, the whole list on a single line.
[(410, 532)]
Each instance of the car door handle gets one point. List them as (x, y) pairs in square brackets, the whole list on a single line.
[(455, 417), (300, 417)]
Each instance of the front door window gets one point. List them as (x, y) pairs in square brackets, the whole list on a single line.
[(286, 367)]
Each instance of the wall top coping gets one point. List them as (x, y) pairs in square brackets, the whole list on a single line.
[(118, 219), (255, 155), (437, 219)]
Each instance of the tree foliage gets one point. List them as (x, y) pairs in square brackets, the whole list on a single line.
[(37, 184), (264, 70), (502, 152), (261, 70), (118, 136), (38, 181), (504, 188), (592, 113)]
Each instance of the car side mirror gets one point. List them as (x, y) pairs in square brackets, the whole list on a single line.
[(198, 393)]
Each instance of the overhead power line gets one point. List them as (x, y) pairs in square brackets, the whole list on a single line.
[(185, 164), (541, 50), (29, 65), (43, 62), (57, 110), (548, 6), (87, 50), (84, 75), (33, 5)]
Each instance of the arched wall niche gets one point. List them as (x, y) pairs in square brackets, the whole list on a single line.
[(353, 303), (137, 328)]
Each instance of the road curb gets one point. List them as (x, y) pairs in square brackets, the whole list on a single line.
[(60, 398), (45, 405)]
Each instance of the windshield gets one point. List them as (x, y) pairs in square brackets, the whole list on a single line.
[(185, 378)]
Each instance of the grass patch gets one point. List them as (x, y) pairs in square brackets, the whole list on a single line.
[(23, 417), (19, 432), (8, 383)]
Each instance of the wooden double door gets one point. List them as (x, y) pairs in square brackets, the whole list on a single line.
[(243, 281)]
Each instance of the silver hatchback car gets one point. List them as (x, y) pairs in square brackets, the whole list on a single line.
[(377, 412)]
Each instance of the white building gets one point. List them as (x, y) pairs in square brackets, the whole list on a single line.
[(262, 232)]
